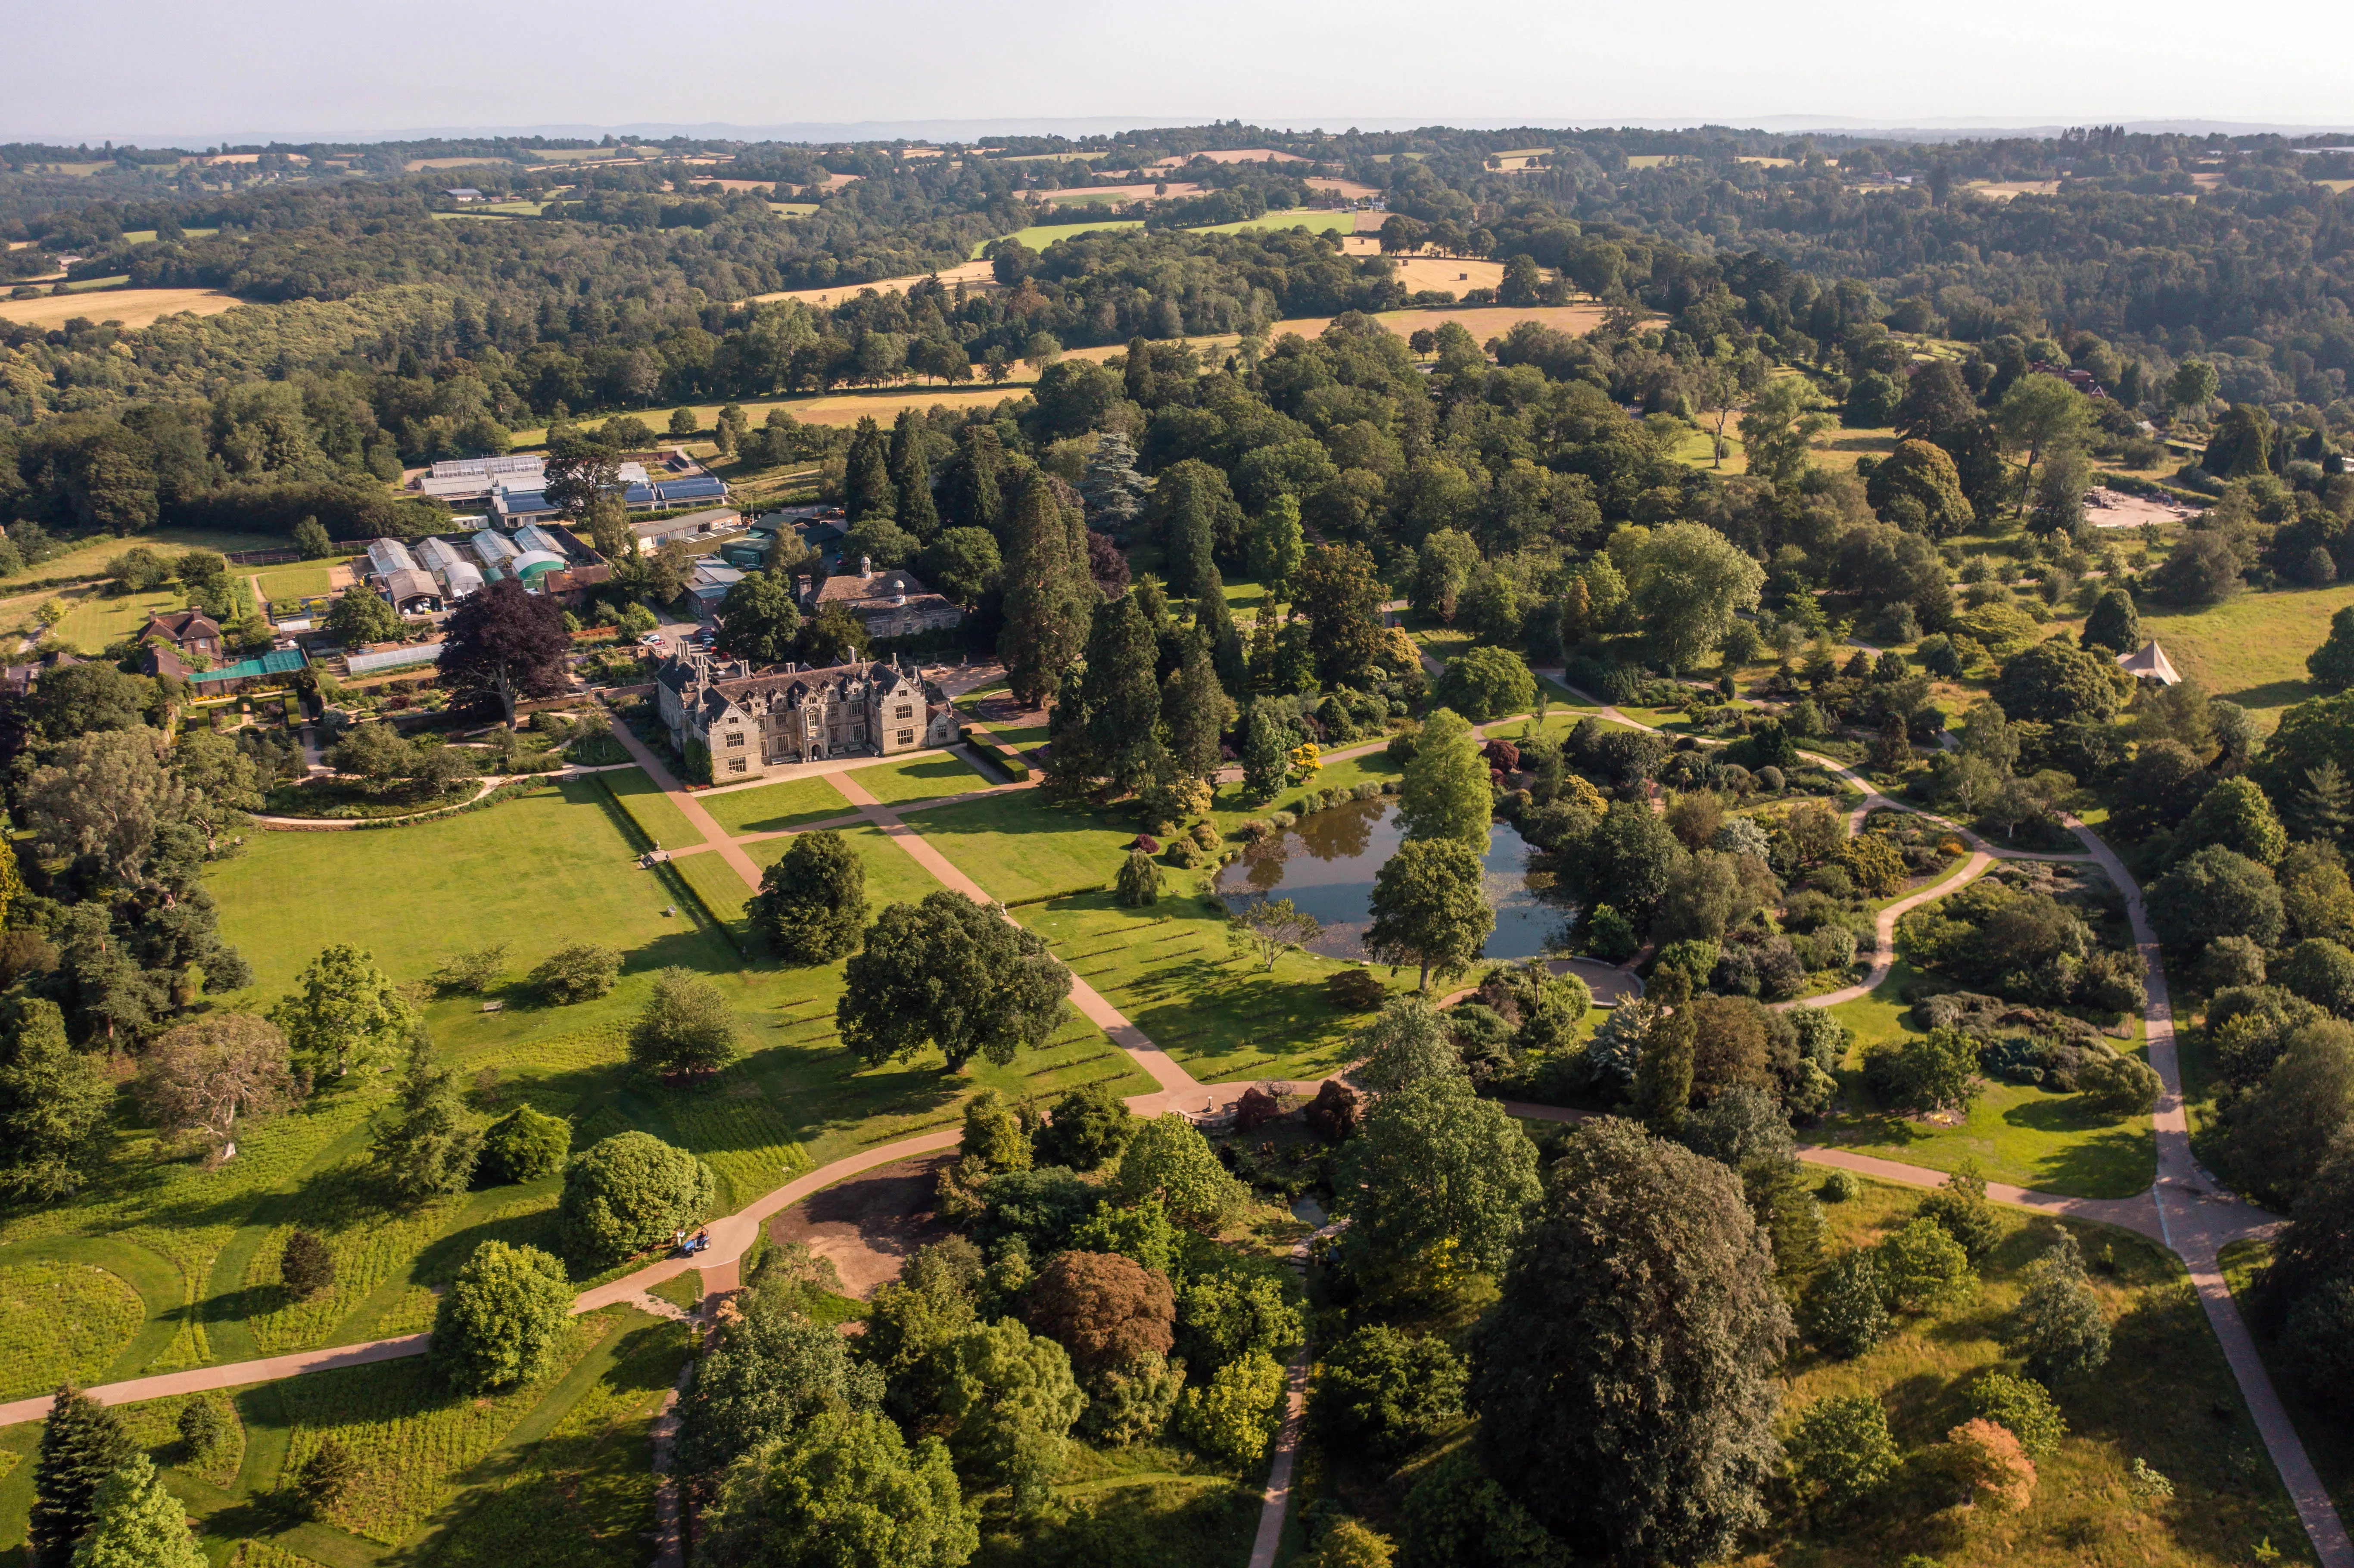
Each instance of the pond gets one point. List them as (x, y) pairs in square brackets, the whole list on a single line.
[(1326, 867)]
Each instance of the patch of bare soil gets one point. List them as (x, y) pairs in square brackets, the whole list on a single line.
[(870, 1224)]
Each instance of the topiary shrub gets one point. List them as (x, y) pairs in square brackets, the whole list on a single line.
[(525, 1145), (1140, 880)]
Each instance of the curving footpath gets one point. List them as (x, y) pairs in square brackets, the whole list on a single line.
[(2185, 1209)]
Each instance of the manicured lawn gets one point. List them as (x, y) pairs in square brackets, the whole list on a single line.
[(1170, 969), (2017, 1133), (550, 868), (919, 778), (770, 808), (94, 620), (1020, 845), (649, 809), (296, 580), (542, 872), (892, 877), (2166, 1397), (2250, 649)]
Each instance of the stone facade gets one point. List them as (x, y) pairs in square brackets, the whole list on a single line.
[(893, 603), (756, 724)]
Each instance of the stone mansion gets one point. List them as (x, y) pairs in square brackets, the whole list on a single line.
[(754, 724)]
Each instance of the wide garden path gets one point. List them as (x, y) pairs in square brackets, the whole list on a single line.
[(2185, 1209)]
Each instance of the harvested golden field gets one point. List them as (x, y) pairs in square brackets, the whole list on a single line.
[(2006, 189), (1459, 275), (1235, 155), (1169, 191), (1349, 188), (132, 307), (848, 408), (972, 274)]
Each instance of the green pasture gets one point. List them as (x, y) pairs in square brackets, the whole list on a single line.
[(1039, 236)]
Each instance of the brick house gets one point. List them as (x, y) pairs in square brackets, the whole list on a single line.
[(196, 634), (754, 725)]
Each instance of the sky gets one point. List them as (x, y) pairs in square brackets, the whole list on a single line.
[(159, 72)]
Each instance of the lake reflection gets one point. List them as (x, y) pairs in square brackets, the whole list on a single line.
[(1326, 867)]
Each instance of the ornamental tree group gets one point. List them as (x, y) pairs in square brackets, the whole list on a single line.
[(686, 1027), (1445, 793), (1430, 908), (1106, 1311), (525, 1145), (1169, 1159), (845, 1489), (82, 1444), (1487, 683)]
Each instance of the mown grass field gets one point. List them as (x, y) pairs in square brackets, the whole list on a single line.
[(296, 580), (1170, 969), (653, 813), (918, 778), (1019, 845), (770, 808), (94, 620)]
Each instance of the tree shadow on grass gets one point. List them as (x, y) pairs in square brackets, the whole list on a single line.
[(2094, 1154), (2270, 694)]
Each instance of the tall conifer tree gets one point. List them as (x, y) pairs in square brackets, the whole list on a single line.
[(1046, 594)]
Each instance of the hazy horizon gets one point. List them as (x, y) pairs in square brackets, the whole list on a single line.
[(374, 71)]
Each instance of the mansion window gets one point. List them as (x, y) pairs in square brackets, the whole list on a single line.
[(907, 737), (736, 737), (904, 712), (734, 765)]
